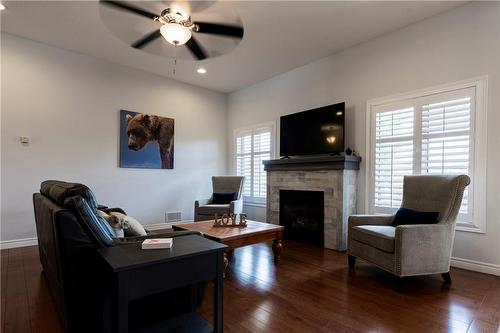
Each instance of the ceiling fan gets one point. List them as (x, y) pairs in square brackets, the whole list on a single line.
[(177, 28)]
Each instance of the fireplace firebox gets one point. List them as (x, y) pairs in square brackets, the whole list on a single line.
[(302, 215)]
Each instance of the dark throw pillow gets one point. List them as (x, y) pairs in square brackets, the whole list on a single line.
[(223, 198), (408, 216)]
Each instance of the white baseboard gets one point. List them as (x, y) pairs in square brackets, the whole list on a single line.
[(476, 266), (11, 244)]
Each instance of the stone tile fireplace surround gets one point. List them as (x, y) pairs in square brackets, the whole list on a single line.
[(336, 176)]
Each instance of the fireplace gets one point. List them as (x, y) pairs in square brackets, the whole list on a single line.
[(334, 176), (302, 215)]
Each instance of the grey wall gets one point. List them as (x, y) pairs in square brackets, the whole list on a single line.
[(68, 104), (453, 46)]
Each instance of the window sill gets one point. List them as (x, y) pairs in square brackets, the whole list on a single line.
[(254, 204), (469, 227)]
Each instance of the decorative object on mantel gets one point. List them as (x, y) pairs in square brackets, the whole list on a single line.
[(230, 220), (348, 151)]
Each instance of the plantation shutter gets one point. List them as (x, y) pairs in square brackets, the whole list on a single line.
[(262, 152), (254, 146), (446, 136), (393, 154), (244, 159), (428, 135)]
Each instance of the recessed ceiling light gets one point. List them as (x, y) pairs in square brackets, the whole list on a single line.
[(2, 7), (339, 113), (201, 70)]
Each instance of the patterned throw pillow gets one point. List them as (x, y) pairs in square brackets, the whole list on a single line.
[(98, 230), (132, 227)]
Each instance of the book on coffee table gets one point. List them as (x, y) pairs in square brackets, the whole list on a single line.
[(157, 243)]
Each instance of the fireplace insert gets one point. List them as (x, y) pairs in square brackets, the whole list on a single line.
[(302, 215)]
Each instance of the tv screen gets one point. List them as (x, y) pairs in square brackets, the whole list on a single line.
[(316, 131)]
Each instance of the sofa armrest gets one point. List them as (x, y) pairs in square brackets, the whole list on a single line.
[(236, 206), (423, 248), (115, 210), (140, 239), (355, 220)]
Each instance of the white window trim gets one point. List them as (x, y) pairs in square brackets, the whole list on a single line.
[(479, 129), (251, 201)]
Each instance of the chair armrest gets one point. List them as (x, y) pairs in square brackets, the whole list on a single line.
[(236, 206), (424, 248), (355, 220), (140, 239), (116, 210), (202, 202)]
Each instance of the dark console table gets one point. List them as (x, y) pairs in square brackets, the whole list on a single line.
[(138, 273)]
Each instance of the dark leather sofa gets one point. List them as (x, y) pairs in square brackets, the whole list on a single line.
[(77, 280)]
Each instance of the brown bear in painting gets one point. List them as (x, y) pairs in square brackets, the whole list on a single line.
[(143, 128)]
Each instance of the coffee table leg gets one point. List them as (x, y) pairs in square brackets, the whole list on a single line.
[(230, 254), (226, 263), (277, 246)]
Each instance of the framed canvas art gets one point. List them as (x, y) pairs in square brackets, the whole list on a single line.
[(146, 141)]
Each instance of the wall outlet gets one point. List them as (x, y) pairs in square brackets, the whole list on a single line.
[(24, 140), (173, 217)]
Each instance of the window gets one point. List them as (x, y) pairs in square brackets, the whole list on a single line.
[(252, 146), (438, 131)]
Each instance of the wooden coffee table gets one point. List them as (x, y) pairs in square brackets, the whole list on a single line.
[(234, 237)]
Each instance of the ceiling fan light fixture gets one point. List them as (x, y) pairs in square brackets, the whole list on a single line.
[(175, 33)]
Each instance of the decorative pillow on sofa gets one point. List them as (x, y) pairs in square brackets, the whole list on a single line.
[(223, 198), (408, 216), (98, 230), (132, 227), (114, 222)]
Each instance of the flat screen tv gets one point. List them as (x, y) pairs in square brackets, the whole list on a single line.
[(316, 131)]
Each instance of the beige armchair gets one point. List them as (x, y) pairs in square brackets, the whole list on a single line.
[(418, 249), (205, 209)]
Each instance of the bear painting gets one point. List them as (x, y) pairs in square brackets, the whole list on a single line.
[(146, 141)]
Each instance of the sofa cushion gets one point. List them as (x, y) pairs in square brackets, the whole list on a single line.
[(97, 229), (378, 236), (213, 209), (58, 191), (223, 198), (406, 216)]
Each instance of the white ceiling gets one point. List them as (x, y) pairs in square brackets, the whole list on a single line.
[(279, 36)]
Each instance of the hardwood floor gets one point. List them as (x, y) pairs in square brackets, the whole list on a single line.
[(310, 290)]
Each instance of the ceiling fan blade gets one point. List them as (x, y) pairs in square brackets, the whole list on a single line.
[(220, 29), (129, 8), (196, 49), (147, 39)]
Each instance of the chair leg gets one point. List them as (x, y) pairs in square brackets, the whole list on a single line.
[(446, 277), (351, 260)]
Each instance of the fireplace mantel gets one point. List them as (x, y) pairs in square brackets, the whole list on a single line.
[(336, 176), (314, 163)]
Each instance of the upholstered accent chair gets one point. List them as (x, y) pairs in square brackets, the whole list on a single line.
[(206, 209), (417, 249)]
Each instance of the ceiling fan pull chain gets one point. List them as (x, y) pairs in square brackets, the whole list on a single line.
[(175, 58)]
